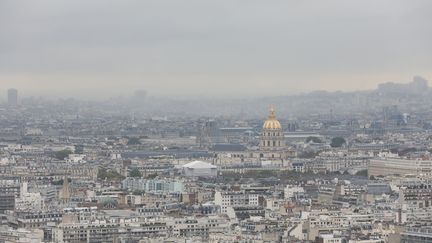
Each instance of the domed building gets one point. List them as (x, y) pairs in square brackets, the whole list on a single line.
[(272, 149), (272, 137), (272, 143)]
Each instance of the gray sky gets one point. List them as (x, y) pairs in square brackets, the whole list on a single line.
[(217, 48)]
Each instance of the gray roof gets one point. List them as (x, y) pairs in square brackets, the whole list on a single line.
[(228, 147)]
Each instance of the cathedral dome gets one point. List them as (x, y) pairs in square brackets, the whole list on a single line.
[(272, 123)]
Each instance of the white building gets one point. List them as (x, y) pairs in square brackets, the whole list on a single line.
[(199, 169), (228, 199), (198, 226), (397, 166), (291, 191), (21, 235), (76, 158), (153, 186), (28, 201), (104, 231)]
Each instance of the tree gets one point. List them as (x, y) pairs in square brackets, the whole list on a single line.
[(138, 192), (152, 176), (362, 173), (102, 173), (308, 155), (62, 154), (313, 139), (109, 174), (337, 142), (135, 173), (79, 149), (134, 141), (60, 182)]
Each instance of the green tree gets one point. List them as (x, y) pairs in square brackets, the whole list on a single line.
[(135, 173), (313, 139), (109, 174), (138, 192), (102, 172), (79, 149), (362, 173), (60, 182), (62, 154), (152, 176), (308, 155), (337, 142), (134, 141)]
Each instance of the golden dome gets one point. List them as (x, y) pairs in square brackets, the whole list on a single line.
[(272, 123)]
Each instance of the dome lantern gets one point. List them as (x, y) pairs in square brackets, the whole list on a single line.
[(272, 123)]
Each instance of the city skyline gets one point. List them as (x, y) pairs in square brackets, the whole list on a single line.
[(133, 93), (144, 121)]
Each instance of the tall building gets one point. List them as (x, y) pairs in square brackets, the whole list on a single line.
[(272, 137), (272, 143), (9, 190), (12, 97), (228, 199), (65, 193), (272, 150)]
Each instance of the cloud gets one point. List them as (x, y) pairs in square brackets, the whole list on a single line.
[(212, 47)]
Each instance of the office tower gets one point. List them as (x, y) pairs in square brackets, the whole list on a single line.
[(12, 97)]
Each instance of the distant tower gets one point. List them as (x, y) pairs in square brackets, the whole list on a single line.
[(210, 134), (140, 94), (272, 137), (12, 97), (339, 191), (65, 191)]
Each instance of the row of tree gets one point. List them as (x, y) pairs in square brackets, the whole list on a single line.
[(336, 142)]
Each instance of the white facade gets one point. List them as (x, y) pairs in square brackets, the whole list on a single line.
[(153, 186), (199, 169), (20, 235), (28, 201), (198, 226), (397, 166), (291, 191), (228, 199)]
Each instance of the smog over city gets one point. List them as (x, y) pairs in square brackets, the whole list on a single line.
[(103, 48), (215, 121)]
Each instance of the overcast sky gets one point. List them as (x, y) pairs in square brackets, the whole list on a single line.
[(216, 48)]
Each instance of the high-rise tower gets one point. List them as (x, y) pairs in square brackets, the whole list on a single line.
[(12, 97)]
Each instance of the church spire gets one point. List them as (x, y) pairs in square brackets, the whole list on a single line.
[(272, 113), (65, 191)]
